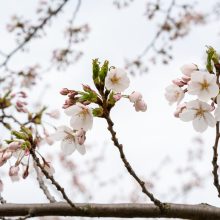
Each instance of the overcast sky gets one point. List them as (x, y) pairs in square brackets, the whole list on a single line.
[(147, 137)]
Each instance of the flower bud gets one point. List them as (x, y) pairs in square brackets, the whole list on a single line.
[(187, 69), (81, 136), (13, 170), (117, 96), (64, 91), (135, 96), (140, 105), (178, 82)]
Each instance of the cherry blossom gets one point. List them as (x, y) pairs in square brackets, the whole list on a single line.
[(69, 140), (174, 94), (135, 96), (140, 105), (203, 84), (199, 113), (82, 117), (187, 69), (117, 80)]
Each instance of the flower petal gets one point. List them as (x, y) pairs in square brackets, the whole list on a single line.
[(187, 115), (199, 124), (68, 146), (210, 120), (81, 149)]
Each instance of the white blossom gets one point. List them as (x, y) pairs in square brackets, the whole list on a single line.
[(82, 117), (199, 113), (69, 140), (203, 85), (187, 69), (117, 80), (174, 94)]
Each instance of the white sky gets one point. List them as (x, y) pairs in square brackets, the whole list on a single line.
[(147, 137)]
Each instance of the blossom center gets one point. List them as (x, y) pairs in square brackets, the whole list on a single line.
[(200, 112), (204, 85), (115, 79)]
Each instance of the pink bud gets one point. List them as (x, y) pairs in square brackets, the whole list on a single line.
[(20, 104), (140, 105), (117, 96), (81, 136), (135, 96), (187, 69), (72, 94), (185, 79), (6, 155), (178, 82), (13, 146), (64, 91), (22, 94), (26, 172), (13, 170)]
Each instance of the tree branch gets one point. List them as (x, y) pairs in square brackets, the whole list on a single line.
[(42, 185), (128, 166), (33, 33), (122, 210)]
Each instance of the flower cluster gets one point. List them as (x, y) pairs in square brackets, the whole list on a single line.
[(204, 85), (82, 106)]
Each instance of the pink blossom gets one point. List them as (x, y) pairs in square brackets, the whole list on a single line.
[(135, 96), (64, 91), (81, 136), (13, 170), (117, 96), (178, 82), (140, 105), (13, 146)]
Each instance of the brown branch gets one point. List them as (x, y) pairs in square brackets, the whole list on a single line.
[(215, 160), (126, 210), (34, 32), (42, 185), (50, 177), (128, 166)]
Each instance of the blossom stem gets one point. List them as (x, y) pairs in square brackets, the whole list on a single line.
[(128, 166)]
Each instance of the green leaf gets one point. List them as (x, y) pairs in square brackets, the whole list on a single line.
[(97, 112), (95, 70), (103, 72), (20, 135)]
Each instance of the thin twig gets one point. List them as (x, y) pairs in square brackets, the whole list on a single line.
[(159, 32), (51, 178), (33, 33), (215, 147), (128, 166), (42, 185)]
